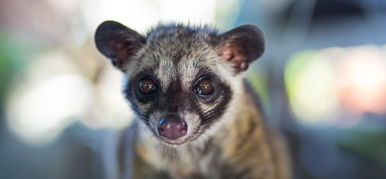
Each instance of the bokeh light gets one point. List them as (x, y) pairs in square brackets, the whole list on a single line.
[(325, 85), (310, 83), (322, 79)]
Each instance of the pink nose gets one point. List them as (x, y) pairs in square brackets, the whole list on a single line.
[(172, 127)]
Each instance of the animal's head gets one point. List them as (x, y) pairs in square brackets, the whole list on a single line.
[(181, 80)]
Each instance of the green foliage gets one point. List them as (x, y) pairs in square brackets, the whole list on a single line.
[(14, 57)]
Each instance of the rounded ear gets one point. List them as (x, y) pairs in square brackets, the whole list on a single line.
[(241, 46), (118, 43)]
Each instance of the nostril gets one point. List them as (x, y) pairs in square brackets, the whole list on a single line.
[(172, 127)]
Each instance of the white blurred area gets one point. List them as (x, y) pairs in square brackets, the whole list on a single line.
[(337, 86), (70, 81), (142, 14)]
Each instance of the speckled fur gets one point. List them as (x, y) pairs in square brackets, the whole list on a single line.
[(235, 144)]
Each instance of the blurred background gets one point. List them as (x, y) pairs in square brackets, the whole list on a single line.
[(322, 80)]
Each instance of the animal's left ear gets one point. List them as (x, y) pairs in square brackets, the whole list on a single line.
[(241, 46)]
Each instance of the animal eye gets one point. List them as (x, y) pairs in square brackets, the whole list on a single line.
[(147, 86), (204, 86)]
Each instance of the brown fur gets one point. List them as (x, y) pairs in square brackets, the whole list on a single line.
[(243, 148), (226, 136)]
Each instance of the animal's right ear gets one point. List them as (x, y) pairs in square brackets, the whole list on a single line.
[(118, 43), (241, 46)]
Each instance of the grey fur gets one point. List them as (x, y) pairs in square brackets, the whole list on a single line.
[(176, 56)]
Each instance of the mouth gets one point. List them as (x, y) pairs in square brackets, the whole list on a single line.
[(182, 141)]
